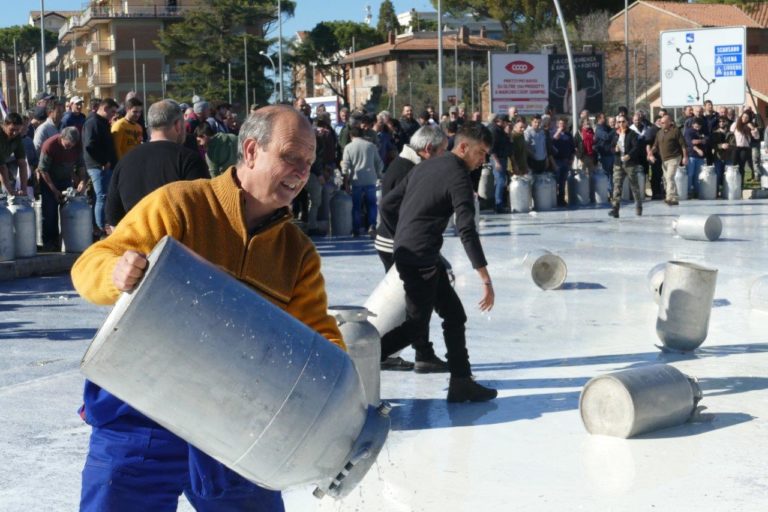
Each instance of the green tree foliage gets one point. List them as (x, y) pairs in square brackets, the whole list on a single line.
[(330, 42), (387, 19), (417, 83), (27, 45), (209, 39)]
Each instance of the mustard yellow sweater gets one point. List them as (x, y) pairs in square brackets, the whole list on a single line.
[(208, 216)]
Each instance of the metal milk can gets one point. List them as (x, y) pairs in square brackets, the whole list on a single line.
[(24, 226), (732, 183), (578, 189), (7, 239), (341, 214), (76, 224), (698, 227), (255, 388), (707, 182), (681, 183), (600, 186), (547, 270), (363, 346), (544, 197), (758, 293), (637, 401), (519, 194), (655, 280), (485, 188), (626, 191), (38, 206), (685, 305)]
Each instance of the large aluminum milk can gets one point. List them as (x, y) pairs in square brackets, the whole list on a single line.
[(578, 189), (212, 361), (681, 183), (655, 280), (363, 346), (685, 306), (707, 182), (626, 191), (758, 293), (732, 183), (543, 190), (600, 187), (519, 194), (24, 226), (637, 401), (38, 206), (698, 227), (485, 189), (76, 223), (547, 270), (341, 214), (7, 238)]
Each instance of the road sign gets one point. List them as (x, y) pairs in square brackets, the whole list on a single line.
[(703, 64)]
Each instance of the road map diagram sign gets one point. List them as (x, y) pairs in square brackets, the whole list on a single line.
[(703, 64)]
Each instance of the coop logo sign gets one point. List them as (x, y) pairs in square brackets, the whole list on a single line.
[(519, 67)]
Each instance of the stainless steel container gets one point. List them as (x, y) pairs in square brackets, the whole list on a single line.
[(363, 346), (764, 182), (7, 239), (681, 183), (485, 188), (76, 222), (543, 193), (24, 226), (600, 187), (707, 182), (685, 306), (655, 280), (212, 361), (341, 214), (547, 270), (637, 401), (698, 227), (626, 191), (732, 183), (38, 206), (758, 293), (519, 194), (578, 189)]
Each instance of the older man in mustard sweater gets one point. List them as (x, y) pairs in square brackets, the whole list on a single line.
[(239, 221)]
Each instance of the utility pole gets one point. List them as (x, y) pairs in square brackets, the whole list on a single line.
[(280, 46), (245, 47), (472, 86), (456, 68), (144, 82), (571, 68), (229, 80), (439, 60), (41, 86), (626, 52), (135, 84), (354, 87), (16, 76)]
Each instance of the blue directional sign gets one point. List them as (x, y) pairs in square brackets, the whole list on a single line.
[(689, 37), (729, 60)]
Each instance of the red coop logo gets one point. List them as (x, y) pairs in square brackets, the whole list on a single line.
[(519, 67)]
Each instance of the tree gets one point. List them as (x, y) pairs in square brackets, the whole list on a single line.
[(330, 42), (210, 39), (387, 19), (27, 45)]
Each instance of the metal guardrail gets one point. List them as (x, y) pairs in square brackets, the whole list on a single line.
[(103, 45), (102, 79), (126, 11)]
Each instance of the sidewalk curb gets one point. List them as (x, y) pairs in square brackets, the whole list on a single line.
[(41, 265)]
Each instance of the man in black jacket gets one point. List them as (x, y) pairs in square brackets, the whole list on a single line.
[(626, 164), (99, 155), (149, 166), (427, 198)]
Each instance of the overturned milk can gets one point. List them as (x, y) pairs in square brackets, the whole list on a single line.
[(237, 377), (698, 227), (758, 293), (656, 281), (363, 346), (547, 270), (637, 401), (685, 305)]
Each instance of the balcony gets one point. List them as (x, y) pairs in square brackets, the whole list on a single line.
[(77, 55), (76, 86), (103, 79), (100, 47)]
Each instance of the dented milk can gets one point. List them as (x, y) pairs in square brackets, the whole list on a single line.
[(681, 183), (519, 194), (547, 270), (685, 305), (24, 226), (655, 279), (256, 389), (637, 401), (707, 182), (698, 227), (363, 346)]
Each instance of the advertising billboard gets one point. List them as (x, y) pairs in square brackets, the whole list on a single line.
[(520, 80)]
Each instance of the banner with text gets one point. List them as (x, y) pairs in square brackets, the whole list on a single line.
[(589, 80), (519, 80)]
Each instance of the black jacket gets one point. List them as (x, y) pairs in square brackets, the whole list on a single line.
[(98, 148), (420, 206), (631, 148)]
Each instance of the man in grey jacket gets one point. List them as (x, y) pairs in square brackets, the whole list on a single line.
[(361, 167)]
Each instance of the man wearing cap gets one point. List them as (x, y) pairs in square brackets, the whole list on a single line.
[(218, 121), (11, 146), (75, 116)]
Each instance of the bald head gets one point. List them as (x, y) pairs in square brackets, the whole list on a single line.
[(260, 126)]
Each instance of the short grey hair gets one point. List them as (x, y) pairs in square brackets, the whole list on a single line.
[(426, 135), (70, 134), (163, 114), (259, 125)]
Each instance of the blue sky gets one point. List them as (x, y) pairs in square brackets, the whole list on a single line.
[(308, 12)]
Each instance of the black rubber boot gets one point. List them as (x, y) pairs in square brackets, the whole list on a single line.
[(465, 389)]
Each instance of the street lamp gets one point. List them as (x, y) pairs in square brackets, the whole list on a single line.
[(271, 62)]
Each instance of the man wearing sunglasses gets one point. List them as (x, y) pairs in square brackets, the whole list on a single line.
[(626, 165)]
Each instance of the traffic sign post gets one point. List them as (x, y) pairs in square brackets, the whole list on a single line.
[(703, 64)]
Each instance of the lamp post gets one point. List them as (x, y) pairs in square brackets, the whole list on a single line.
[(280, 47), (571, 68), (271, 63), (439, 60), (41, 86)]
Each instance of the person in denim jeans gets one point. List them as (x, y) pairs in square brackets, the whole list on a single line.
[(362, 167), (99, 155), (565, 150), (696, 144), (499, 157)]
